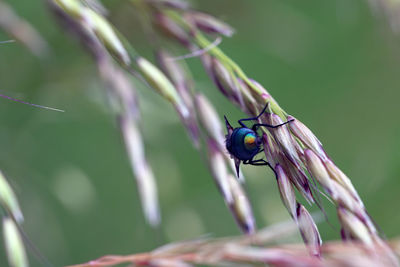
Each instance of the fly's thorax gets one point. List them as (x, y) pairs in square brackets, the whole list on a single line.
[(243, 143)]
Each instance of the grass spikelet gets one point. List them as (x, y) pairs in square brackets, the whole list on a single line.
[(22, 31), (318, 170), (171, 28), (160, 82), (306, 137), (179, 77), (355, 227), (241, 207), (210, 120), (91, 22), (225, 81), (209, 24), (9, 200), (219, 171), (286, 190), (13, 243), (107, 35), (175, 4), (122, 90), (144, 176), (308, 230)]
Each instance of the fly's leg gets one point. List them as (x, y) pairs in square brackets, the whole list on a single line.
[(260, 162), (255, 126), (253, 118)]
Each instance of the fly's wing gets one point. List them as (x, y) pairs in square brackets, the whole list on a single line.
[(229, 127), (237, 164)]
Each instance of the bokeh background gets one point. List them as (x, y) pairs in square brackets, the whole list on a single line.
[(332, 64)]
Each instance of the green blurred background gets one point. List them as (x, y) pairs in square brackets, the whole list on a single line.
[(332, 64)]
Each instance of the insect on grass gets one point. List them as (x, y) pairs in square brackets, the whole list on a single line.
[(244, 143)]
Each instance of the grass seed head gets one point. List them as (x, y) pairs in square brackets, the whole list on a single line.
[(106, 33), (168, 263), (336, 174), (263, 95), (209, 24), (219, 171), (250, 105), (309, 230), (306, 137), (143, 174), (290, 155), (72, 7), (21, 31), (209, 118), (286, 191), (317, 169), (171, 29), (173, 70), (225, 81), (9, 200), (353, 225), (271, 150), (283, 138), (179, 77), (90, 20), (345, 200), (299, 179), (15, 249), (275, 156), (122, 94), (241, 207), (175, 4), (149, 196), (157, 80)]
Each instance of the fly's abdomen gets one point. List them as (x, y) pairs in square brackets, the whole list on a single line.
[(243, 143)]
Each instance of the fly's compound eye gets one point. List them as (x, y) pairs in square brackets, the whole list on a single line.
[(250, 141)]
